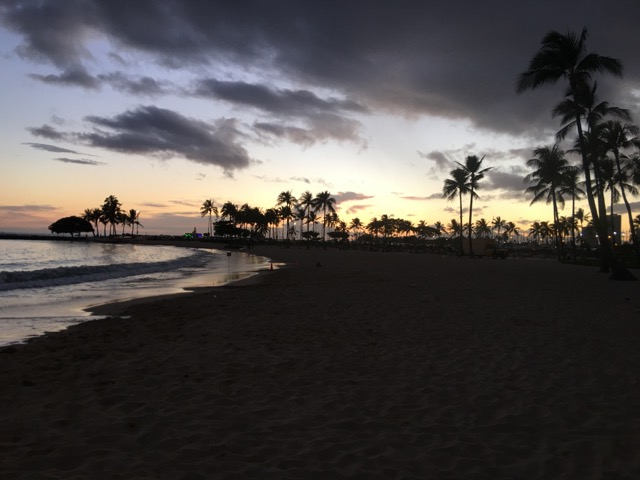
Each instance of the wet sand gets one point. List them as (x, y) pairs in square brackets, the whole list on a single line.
[(345, 364)]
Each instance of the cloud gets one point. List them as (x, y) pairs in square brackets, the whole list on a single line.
[(511, 180), (342, 197), (27, 208), (412, 59), (283, 102), (149, 130), (354, 209), (77, 77), (441, 160), (45, 131), (79, 161), (50, 148), (137, 86)]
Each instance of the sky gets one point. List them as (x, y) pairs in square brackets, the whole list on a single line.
[(166, 104)]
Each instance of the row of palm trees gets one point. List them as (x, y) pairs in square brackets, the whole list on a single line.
[(603, 132), (112, 214), (288, 208)]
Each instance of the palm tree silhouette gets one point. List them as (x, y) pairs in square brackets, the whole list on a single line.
[(563, 56), (618, 136), (498, 224), (325, 202), (208, 208), (458, 185), (111, 212), (357, 225), (547, 179), (287, 201), (571, 187), (472, 166)]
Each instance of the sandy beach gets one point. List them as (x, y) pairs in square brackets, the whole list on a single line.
[(345, 364)]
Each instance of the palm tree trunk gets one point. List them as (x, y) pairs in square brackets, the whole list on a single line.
[(470, 219), (460, 226), (556, 232)]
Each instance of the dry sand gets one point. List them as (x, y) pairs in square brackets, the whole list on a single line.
[(370, 365)]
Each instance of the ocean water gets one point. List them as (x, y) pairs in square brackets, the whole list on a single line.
[(46, 285)]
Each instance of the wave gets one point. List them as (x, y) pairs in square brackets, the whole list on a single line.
[(51, 277)]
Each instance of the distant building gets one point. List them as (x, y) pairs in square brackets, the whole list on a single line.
[(614, 223)]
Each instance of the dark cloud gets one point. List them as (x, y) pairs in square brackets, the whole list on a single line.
[(149, 130), (137, 86), (441, 160), (75, 77), (79, 161), (51, 148), (286, 102), (457, 60), (45, 131), (511, 180)]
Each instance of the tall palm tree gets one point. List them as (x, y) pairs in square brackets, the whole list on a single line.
[(563, 56), (208, 208), (458, 185), (325, 202), (571, 187), (306, 202), (472, 165), (549, 175), (287, 201), (271, 219), (132, 218), (110, 212), (617, 137)]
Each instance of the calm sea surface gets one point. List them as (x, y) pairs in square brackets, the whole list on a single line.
[(45, 285)]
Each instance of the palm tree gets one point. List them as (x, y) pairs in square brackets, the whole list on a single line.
[(439, 228), (472, 166), (455, 228), (92, 215), (512, 229), (306, 202), (498, 224), (563, 56), (618, 136), (208, 208), (547, 180), (110, 212), (229, 210), (287, 201), (458, 185), (357, 225), (571, 187), (270, 218), (482, 228), (325, 202), (132, 218), (535, 231)]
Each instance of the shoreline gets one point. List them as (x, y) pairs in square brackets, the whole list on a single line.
[(345, 363)]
